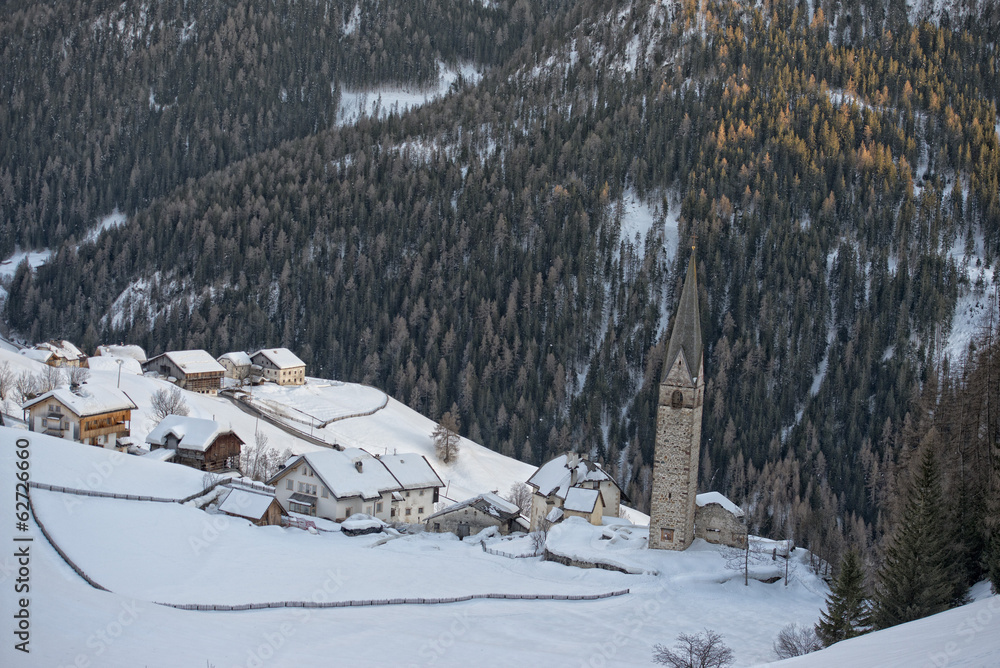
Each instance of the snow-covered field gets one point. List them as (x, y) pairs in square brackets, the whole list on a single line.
[(169, 553)]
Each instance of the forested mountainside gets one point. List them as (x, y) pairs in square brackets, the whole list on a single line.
[(836, 164), (111, 104)]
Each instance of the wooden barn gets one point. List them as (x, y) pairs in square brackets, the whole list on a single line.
[(200, 444), (473, 515), (193, 370), (253, 503)]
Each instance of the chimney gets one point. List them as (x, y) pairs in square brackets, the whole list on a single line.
[(358, 465)]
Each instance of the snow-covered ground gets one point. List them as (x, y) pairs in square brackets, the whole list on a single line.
[(383, 100), (145, 552)]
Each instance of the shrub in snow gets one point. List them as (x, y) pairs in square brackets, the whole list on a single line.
[(695, 651), (795, 640)]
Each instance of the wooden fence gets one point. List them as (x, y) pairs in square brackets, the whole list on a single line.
[(394, 601)]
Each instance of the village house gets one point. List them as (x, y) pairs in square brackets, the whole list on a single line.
[(337, 484), (471, 516), (193, 370), (718, 520), (123, 351), (599, 495), (201, 444), (89, 414), (254, 502), (280, 365), (61, 354), (238, 365), (419, 485)]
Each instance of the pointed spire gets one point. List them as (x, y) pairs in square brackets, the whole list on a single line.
[(686, 335)]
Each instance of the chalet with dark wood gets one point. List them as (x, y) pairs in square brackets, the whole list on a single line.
[(193, 370), (89, 414), (199, 443)]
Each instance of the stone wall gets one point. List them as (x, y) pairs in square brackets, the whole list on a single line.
[(715, 524)]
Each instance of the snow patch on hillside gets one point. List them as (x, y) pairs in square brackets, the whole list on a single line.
[(35, 258), (114, 219), (381, 101)]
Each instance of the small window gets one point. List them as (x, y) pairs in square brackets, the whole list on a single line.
[(407, 495), (667, 535), (677, 399), (408, 511), (437, 527), (347, 512), (289, 485), (325, 492), (420, 510), (421, 492), (378, 507), (392, 512)]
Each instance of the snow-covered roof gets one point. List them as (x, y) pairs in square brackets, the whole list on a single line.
[(554, 515), (127, 351), (340, 472), (412, 471), (109, 363), (160, 455), (565, 471), (238, 358), (37, 355), (581, 500), (283, 358), (61, 348), (191, 433), (715, 497), (489, 503), (193, 361), (87, 400), (247, 504)]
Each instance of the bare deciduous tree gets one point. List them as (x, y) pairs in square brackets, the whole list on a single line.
[(446, 438), (7, 377), (540, 535), (168, 402), (49, 379), (741, 559), (26, 385), (77, 375), (795, 640), (260, 462), (695, 651), (520, 496)]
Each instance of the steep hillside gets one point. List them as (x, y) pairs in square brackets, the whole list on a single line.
[(480, 253)]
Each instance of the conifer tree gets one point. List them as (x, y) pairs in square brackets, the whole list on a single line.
[(848, 613), (916, 577)]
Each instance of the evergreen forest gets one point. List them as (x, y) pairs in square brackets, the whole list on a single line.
[(835, 164)]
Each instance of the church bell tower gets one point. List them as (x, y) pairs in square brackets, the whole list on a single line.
[(678, 426)]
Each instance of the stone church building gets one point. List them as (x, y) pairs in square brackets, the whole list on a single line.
[(674, 513)]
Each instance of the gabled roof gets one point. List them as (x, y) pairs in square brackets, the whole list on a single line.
[(88, 400), (252, 505), (709, 498), (488, 503), (581, 500), (62, 348), (339, 471), (411, 470), (564, 472), (191, 433), (123, 350), (42, 356), (239, 358), (685, 339), (282, 358), (192, 361)]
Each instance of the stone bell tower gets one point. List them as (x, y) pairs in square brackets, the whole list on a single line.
[(678, 426)]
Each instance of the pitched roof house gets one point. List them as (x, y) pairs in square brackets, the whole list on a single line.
[(201, 444), (251, 501), (471, 516), (193, 370), (90, 414), (237, 365), (62, 353), (577, 486), (337, 484), (280, 365)]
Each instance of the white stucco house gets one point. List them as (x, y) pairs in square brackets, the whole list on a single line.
[(336, 484), (280, 365), (575, 487)]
